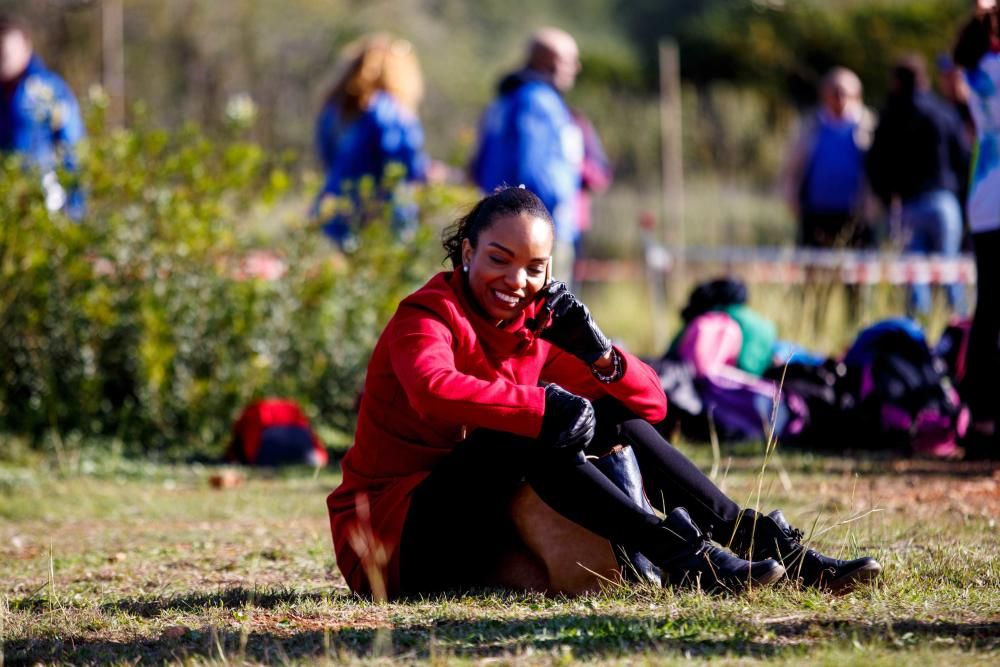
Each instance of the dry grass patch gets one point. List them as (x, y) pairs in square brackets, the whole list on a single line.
[(129, 563)]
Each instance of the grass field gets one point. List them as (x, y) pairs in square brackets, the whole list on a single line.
[(110, 560), (104, 559)]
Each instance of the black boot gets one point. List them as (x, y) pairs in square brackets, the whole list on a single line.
[(622, 468), (770, 536), (687, 558)]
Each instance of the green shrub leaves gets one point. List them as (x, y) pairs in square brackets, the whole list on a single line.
[(145, 324)]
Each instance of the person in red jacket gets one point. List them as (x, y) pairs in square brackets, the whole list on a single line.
[(491, 377)]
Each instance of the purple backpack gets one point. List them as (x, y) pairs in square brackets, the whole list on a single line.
[(904, 395)]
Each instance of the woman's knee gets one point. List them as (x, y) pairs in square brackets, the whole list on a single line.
[(629, 431), (640, 433)]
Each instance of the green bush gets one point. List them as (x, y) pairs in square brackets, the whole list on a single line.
[(136, 324)]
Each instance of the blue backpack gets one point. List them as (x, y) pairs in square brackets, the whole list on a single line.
[(903, 395)]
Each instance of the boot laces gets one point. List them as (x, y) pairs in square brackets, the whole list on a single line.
[(794, 546), (706, 548)]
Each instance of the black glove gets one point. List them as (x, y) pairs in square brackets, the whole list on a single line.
[(570, 325), (568, 423)]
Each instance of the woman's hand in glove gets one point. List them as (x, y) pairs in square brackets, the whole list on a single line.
[(568, 423), (570, 325)]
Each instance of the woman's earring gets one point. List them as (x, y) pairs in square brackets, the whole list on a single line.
[(465, 268)]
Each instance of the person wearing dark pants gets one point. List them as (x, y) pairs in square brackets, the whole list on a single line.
[(486, 380), (983, 362), (448, 547), (977, 52), (491, 465), (917, 162)]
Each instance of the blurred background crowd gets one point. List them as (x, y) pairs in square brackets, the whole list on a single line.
[(749, 70), (216, 130)]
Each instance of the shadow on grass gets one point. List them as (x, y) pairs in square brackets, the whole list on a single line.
[(984, 635), (581, 636), (230, 598), (826, 461), (931, 467)]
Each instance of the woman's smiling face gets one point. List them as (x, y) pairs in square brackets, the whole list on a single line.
[(508, 264)]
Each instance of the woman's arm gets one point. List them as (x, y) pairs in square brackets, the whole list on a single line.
[(422, 357), (582, 359), (325, 137), (639, 388)]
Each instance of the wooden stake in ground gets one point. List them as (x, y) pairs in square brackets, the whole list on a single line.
[(113, 48), (672, 163)]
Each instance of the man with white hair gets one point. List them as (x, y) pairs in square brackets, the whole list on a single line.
[(824, 177), (39, 116), (528, 137)]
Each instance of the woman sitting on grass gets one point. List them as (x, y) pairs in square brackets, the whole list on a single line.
[(490, 380)]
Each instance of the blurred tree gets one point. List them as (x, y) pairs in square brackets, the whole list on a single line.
[(784, 48)]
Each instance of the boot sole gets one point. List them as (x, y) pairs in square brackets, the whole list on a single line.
[(772, 576), (864, 574)]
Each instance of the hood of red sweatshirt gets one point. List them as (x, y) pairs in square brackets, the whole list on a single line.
[(447, 296)]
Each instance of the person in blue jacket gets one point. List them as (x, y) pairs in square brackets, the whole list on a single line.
[(528, 137), (367, 128), (823, 180), (39, 117)]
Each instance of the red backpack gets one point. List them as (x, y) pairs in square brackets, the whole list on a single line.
[(275, 432)]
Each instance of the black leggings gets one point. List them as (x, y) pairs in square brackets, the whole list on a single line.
[(982, 365), (458, 524)]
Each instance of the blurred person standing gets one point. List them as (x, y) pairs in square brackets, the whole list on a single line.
[(915, 165), (824, 176), (595, 177), (40, 118), (369, 123), (952, 86), (977, 52), (528, 137)]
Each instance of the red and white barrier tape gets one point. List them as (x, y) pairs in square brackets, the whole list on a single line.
[(754, 265), (793, 266)]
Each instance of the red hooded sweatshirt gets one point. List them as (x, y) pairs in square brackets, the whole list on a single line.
[(439, 371)]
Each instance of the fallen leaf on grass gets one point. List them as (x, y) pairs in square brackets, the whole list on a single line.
[(228, 479)]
